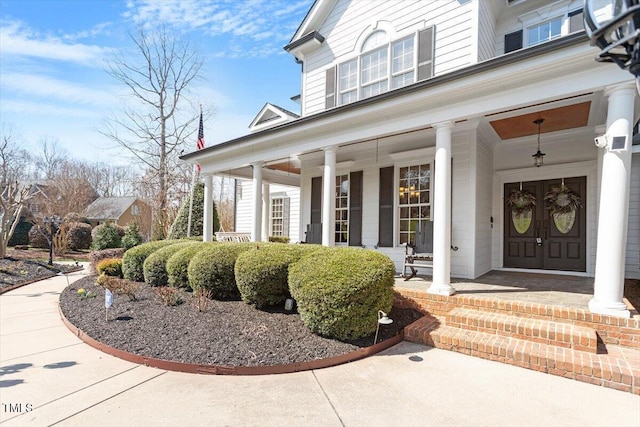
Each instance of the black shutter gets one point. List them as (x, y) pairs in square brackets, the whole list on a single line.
[(576, 22), (330, 88), (385, 217), (426, 42), (513, 41), (355, 209), (316, 200)]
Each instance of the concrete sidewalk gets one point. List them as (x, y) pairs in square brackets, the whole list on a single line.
[(49, 377)]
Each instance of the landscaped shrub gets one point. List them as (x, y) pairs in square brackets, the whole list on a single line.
[(155, 266), (340, 290), (179, 227), (110, 267), (169, 296), (38, 237), (261, 273), (96, 256), (279, 239), (78, 236), (178, 263), (131, 236), (212, 269), (105, 236), (133, 259), (21, 233), (119, 286)]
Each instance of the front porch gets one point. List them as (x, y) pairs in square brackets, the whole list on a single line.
[(535, 321)]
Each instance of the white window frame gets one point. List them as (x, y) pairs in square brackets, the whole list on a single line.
[(339, 209), (564, 29), (272, 232), (410, 158), (360, 87)]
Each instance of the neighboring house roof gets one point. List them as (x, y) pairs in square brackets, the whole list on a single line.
[(109, 207), (271, 115)]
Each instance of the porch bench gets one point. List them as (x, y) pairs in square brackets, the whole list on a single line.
[(419, 254), (230, 236)]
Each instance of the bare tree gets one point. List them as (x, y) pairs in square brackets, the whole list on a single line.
[(156, 121), (50, 158), (13, 194)]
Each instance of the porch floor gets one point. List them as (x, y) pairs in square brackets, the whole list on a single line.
[(550, 289)]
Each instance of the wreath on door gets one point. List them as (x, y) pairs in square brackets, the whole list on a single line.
[(562, 204), (521, 204)]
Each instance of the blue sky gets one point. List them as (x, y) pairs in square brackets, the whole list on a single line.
[(52, 56)]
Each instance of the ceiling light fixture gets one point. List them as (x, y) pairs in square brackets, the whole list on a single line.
[(538, 158)]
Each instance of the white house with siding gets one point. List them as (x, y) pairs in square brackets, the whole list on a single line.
[(429, 111)]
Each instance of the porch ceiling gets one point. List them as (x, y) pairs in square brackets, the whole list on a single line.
[(555, 119)]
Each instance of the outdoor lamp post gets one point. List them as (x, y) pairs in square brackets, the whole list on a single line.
[(382, 320), (54, 222)]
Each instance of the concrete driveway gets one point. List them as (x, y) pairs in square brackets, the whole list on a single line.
[(49, 377)]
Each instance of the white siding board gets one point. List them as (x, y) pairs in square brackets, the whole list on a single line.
[(632, 270)]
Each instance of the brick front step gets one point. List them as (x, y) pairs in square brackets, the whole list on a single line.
[(619, 368), (536, 330)]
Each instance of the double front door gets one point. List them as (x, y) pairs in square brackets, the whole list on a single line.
[(550, 234)]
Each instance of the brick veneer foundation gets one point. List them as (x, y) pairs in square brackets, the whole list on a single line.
[(569, 342)]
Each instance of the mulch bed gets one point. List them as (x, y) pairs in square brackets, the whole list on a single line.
[(226, 333), (19, 272)]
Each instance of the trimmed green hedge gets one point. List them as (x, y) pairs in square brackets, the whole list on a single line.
[(261, 273), (155, 266), (133, 259), (213, 269), (340, 290), (178, 264)]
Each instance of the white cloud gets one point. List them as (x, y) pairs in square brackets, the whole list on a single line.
[(43, 87), (262, 27), (18, 40)]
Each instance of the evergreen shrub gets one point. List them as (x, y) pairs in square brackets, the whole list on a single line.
[(106, 236), (155, 266), (21, 233), (133, 259), (78, 236), (96, 256), (261, 273), (110, 267), (339, 291), (213, 269), (179, 227), (131, 236), (178, 263)]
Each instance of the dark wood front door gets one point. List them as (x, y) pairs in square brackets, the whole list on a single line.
[(546, 243)]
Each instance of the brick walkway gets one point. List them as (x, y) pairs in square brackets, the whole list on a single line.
[(557, 339)]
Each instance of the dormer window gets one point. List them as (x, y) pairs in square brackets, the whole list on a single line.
[(381, 66), (536, 32)]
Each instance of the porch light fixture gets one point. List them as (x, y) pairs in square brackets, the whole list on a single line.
[(382, 320), (538, 157)]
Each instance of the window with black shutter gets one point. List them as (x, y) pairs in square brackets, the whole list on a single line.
[(355, 209), (513, 41), (385, 210)]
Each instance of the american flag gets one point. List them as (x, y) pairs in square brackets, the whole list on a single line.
[(200, 144)]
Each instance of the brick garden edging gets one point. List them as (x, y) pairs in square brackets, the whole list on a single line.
[(231, 370)]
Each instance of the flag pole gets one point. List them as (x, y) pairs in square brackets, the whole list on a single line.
[(196, 172)]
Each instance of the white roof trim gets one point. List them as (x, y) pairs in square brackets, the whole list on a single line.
[(271, 115), (315, 18)]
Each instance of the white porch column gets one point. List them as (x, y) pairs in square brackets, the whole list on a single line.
[(441, 284), (328, 197), (207, 221), (265, 212), (613, 213), (256, 233)]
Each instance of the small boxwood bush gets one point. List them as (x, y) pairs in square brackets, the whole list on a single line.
[(155, 266), (261, 273), (178, 263), (213, 269), (96, 256), (133, 259), (340, 290), (110, 267)]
